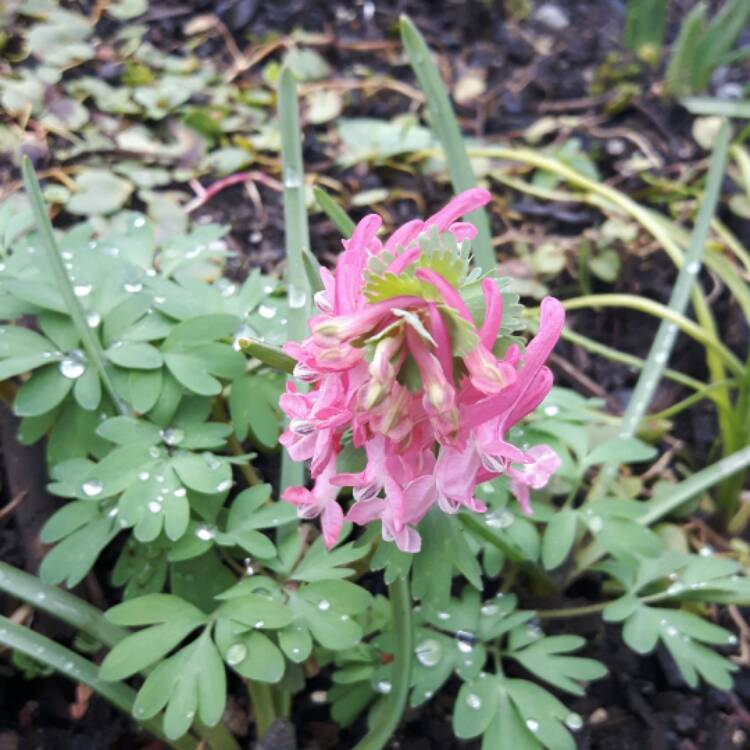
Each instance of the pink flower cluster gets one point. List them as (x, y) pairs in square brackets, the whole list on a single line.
[(425, 446)]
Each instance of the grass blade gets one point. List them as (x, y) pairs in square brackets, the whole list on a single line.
[(709, 105), (663, 343), (60, 604), (677, 496), (445, 126), (297, 235), (334, 212), (90, 342), (80, 670)]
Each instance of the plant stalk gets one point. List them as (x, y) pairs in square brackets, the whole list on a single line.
[(401, 604)]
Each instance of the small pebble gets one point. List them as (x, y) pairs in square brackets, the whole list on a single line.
[(599, 716), (552, 16)]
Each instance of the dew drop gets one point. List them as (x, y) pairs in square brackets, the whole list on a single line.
[(143, 476), (297, 297), (224, 486), (225, 287), (500, 519), (259, 624), (172, 435), (706, 551), (82, 289), (488, 610), (573, 721), (384, 687), (93, 319), (73, 365), (732, 640), (675, 588), (247, 564), (92, 487), (596, 524), (154, 452), (159, 300), (473, 701), (324, 605), (154, 506), (212, 462), (204, 533), (266, 312), (292, 178), (235, 654), (444, 615), (429, 652), (139, 222), (551, 410), (180, 492), (532, 725), (671, 631), (465, 641), (693, 267), (132, 287)]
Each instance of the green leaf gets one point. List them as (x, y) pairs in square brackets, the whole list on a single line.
[(475, 707), (98, 191), (192, 372), (252, 654), (66, 520), (558, 539), (144, 648), (43, 392), (156, 608), (622, 450), (319, 564), (542, 658), (135, 356), (72, 558), (128, 430)]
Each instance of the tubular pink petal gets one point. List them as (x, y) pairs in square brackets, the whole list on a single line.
[(450, 296), (351, 264), (331, 521), (493, 314), (462, 204), (463, 230), (439, 332), (403, 260), (405, 235)]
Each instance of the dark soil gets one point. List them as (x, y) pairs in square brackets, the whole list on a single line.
[(532, 71)]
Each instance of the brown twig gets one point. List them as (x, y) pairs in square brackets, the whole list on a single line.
[(11, 506)]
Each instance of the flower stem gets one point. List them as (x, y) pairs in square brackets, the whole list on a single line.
[(80, 670), (400, 597), (264, 710)]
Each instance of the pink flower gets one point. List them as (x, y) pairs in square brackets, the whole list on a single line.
[(533, 475), (401, 370), (320, 502)]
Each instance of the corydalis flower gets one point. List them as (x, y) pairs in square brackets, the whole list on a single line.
[(409, 363)]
